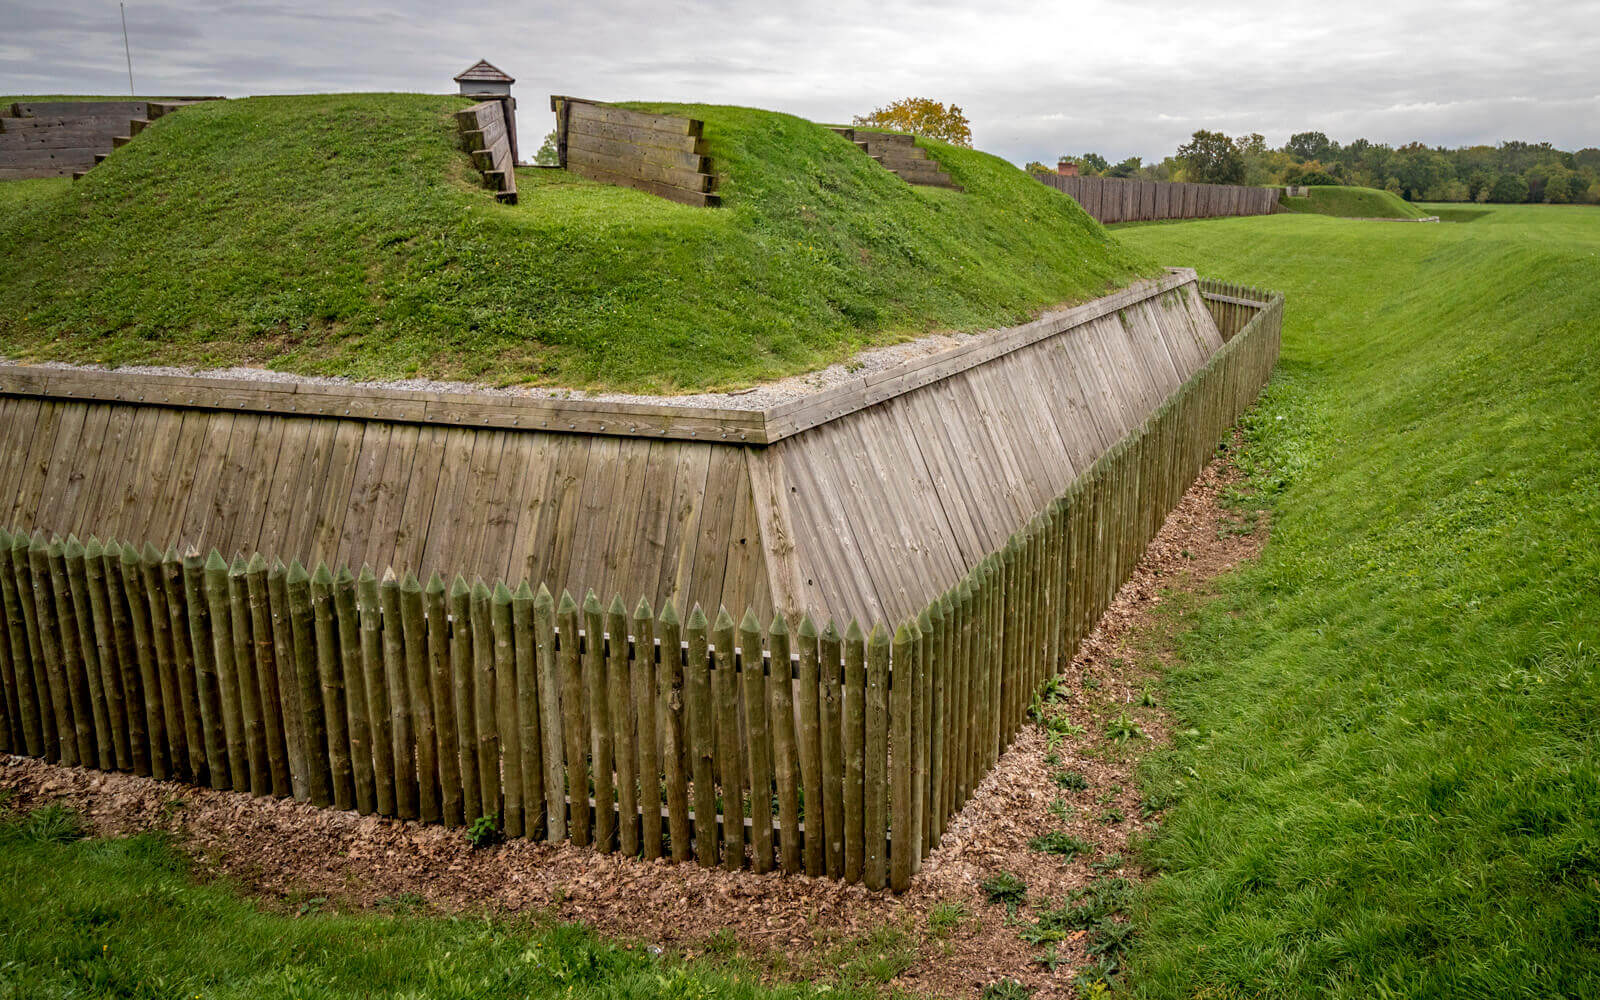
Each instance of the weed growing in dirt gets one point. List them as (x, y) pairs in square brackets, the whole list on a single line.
[(1062, 843), (1095, 980), (1006, 989), (1082, 910), (485, 832), (405, 902), (1059, 726), (946, 917), (1072, 781), (1122, 728), (1005, 888), (1048, 958)]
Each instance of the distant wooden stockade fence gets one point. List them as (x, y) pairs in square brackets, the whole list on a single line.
[(1117, 199), (661, 154), (838, 747)]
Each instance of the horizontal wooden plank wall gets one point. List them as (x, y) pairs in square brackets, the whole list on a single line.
[(52, 139), (654, 518), (1117, 199), (67, 138), (850, 748), (661, 154), (486, 133)]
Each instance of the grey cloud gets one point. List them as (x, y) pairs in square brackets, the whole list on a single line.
[(1133, 78)]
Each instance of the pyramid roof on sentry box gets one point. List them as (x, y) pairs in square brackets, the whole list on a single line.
[(483, 71)]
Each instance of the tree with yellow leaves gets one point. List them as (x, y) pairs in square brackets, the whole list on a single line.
[(922, 116)]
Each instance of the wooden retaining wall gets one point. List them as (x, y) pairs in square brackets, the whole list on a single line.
[(1116, 199), (52, 139), (57, 138), (661, 154), (848, 747), (349, 479), (486, 132)]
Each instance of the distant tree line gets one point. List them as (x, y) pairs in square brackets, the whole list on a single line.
[(1512, 172)]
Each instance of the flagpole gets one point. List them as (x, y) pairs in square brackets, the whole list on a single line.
[(125, 50)]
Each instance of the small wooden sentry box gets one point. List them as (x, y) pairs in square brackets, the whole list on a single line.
[(485, 81)]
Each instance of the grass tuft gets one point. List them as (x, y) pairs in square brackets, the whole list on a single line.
[(49, 824)]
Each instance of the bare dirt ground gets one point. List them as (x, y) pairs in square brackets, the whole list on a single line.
[(787, 926)]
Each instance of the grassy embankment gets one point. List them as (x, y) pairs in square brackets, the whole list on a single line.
[(348, 235), (1455, 211), (1352, 203), (1387, 782)]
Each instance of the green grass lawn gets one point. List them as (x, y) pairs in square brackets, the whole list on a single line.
[(1455, 211), (1352, 203), (1387, 781), (347, 234), (126, 918), (18, 197)]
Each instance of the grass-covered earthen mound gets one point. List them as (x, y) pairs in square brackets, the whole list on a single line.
[(348, 234), (1352, 203)]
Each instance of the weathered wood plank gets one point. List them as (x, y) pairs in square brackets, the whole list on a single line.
[(580, 109), (760, 729)]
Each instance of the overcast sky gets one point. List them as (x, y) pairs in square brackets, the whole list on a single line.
[(1036, 80)]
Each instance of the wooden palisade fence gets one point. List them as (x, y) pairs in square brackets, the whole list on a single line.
[(831, 748), (1118, 199)]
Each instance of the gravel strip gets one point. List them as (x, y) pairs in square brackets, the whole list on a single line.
[(758, 397)]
